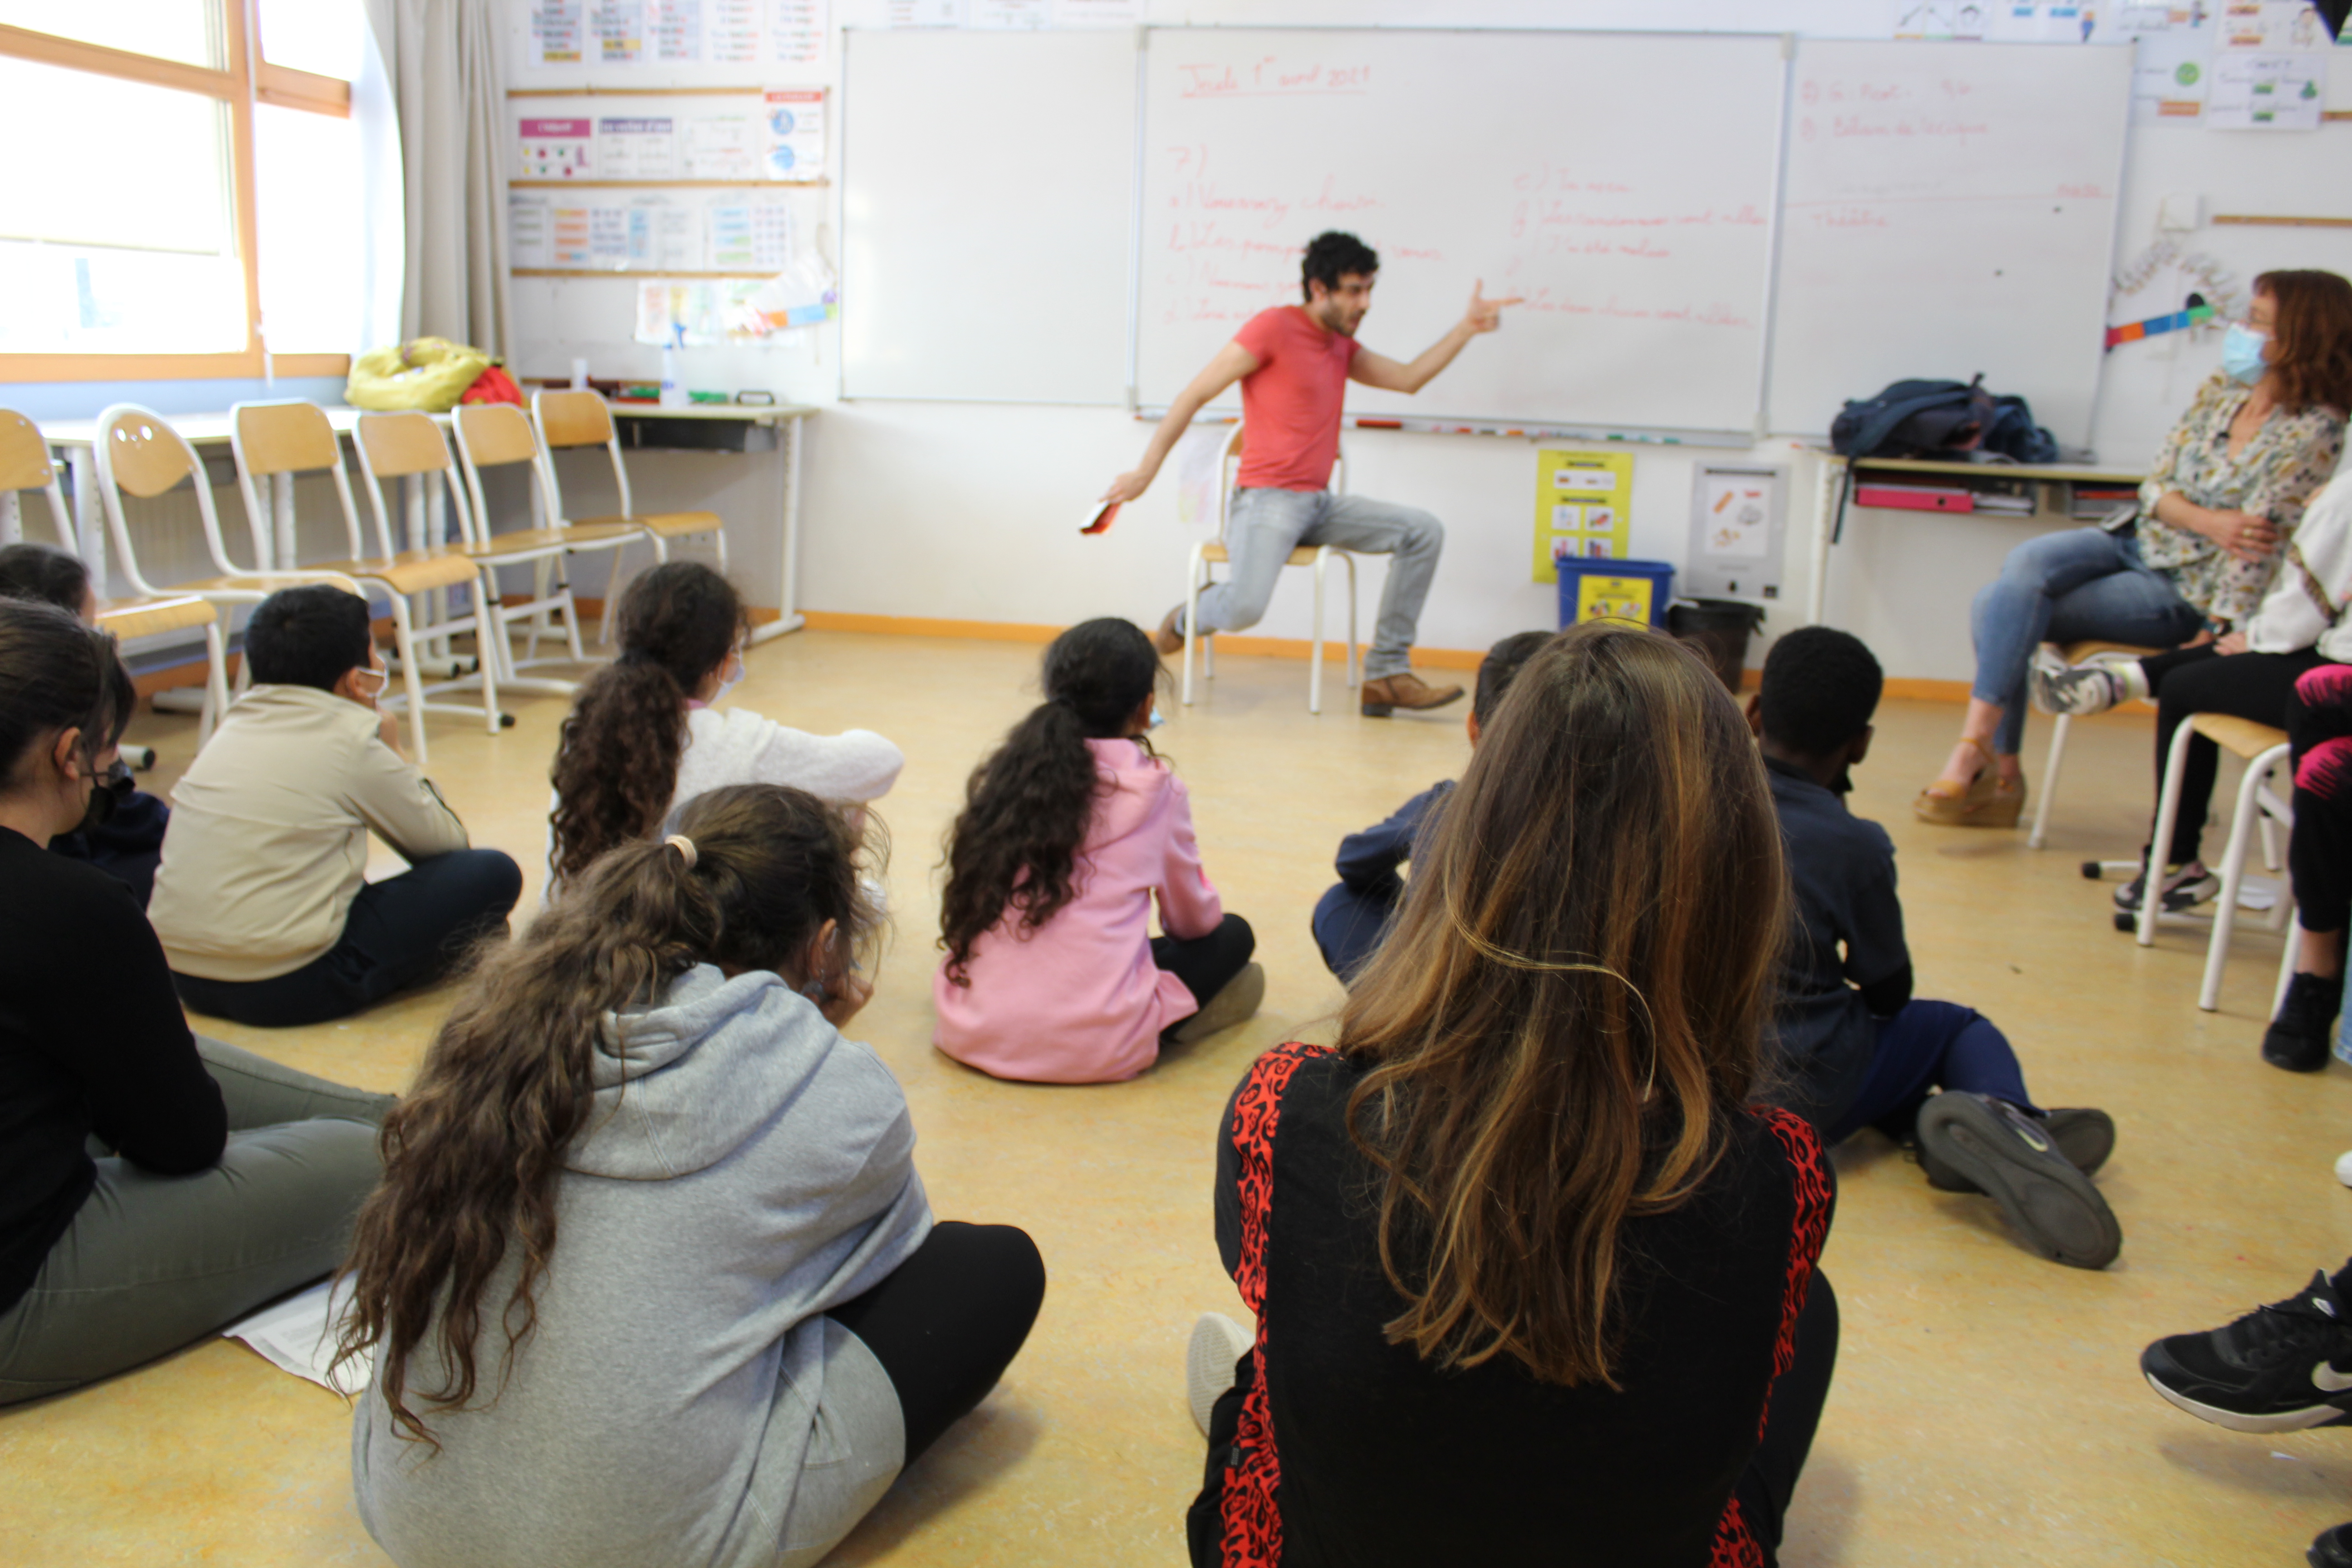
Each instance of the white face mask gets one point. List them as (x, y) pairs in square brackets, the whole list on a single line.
[(382, 673), (731, 676)]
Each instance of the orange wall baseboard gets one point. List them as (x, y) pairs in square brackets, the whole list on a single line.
[(1026, 632)]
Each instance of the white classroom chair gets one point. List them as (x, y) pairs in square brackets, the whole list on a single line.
[(498, 435), (293, 437), (568, 420), (2264, 749), (1205, 555), (24, 465), (138, 453)]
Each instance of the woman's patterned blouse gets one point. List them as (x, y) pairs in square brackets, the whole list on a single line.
[(2275, 473)]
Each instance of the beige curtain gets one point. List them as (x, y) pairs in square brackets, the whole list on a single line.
[(447, 80)]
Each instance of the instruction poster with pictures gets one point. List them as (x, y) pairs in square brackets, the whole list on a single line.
[(2172, 60), (2270, 67), (693, 143), (557, 149), (1581, 508), (795, 119), (649, 234), (669, 33), (557, 30)]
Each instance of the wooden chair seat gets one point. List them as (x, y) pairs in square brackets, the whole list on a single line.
[(2247, 739), (595, 531), (413, 571), (145, 617), (668, 524), (1302, 556), (261, 584), (2076, 652)]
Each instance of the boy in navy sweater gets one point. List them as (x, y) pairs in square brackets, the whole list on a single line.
[(1351, 915), (1855, 1049)]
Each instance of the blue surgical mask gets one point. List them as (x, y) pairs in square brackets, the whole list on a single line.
[(1156, 719), (2241, 354), (730, 677)]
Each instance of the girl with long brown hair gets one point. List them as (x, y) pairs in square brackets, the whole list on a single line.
[(651, 1278), (1070, 833), (645, 736), (1534, 1282)]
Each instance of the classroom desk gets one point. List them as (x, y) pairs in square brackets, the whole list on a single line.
[(2052, 508), (423, 504)]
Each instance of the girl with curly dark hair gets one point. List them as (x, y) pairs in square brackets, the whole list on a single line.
[(643, 735), (651, 1278), (1067, 834)]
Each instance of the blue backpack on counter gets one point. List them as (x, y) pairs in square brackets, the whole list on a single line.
[(1940, 419)]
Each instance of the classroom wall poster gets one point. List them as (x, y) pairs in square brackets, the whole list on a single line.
[(644, 147), (556, 32), (619, 26), (725, 146), (796, 33), (2172, 64), (796, 134), (731, 31), (1010, 13), (1581, 508), (557, 149), (1100, 13), (2270, 67), (921, 13), (677, 29)]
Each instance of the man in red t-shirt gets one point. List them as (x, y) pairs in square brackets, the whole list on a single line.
[(1294, 363)]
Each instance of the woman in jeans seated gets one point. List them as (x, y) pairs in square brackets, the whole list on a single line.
[(1534, 1281), (225, 1179), (2228, 487)]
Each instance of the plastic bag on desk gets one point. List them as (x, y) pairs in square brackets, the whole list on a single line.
[(425, 373), (804, 294)]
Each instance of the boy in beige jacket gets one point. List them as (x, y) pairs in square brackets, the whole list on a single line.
[(262, 901)]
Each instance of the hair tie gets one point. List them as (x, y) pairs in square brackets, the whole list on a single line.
[(685, 847)]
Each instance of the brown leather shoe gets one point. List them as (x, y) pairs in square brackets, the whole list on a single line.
[(1391, 692), (1168, 640)]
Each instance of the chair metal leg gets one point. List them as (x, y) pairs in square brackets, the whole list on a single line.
[(2270, 843), (2233, 874), (718, 538), (2048, 781), (1315, 650), (2167, 812), (1191, 614), (404, 638), (1355, 653), (216, 681)]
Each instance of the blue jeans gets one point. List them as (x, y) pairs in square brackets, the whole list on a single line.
[(1939, 1045), (1267, 525), (2067, 588), (401, 931)]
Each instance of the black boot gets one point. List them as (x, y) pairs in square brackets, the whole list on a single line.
[(2297, 1038)]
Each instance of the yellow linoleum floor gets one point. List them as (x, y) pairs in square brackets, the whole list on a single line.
[(1987, 1407)]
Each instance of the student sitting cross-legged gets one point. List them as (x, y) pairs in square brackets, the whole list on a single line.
[(1534, 1281), (154, 1185), (644, 737), (1354, 910), (1857, 1049), (651, 1280), (127, 840), (1070, 832), (262, 900)]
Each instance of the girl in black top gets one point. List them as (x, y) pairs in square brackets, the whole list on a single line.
[(232, 1180), (1534, 1280)]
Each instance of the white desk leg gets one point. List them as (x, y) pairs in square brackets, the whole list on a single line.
[(1828, 477), (788, 601), (11, 530), (89, 527)]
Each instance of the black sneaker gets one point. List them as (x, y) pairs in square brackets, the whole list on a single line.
[(2185, 886), (2085, 1136), (2297, 1038), (2009, 1156), (2332, 1550), (2274, 1370)]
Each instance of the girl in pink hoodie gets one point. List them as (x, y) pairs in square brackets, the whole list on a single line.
[(1068, 831)]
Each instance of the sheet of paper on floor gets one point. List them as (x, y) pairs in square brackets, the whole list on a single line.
[(298, 1335)]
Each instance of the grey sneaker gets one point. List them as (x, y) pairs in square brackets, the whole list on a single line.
[(2000, 1151), (2184, 886), (1218, 1342), (2086, 1137), (2084, 690), (1237, 1002)]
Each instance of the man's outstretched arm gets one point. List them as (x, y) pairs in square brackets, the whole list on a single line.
[(1232, 362), (1393, 375)]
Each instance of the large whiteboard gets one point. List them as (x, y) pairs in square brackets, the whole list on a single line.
[(988, 205), (1949, 209), (1625, 182)]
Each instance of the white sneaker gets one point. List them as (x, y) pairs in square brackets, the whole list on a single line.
[(1217, 1342), (2343, 1167)]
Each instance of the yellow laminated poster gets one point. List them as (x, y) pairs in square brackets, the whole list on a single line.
[(1582, 502), (1614, 599)]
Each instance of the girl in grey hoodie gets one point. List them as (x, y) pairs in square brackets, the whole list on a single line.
[(651, 1278)]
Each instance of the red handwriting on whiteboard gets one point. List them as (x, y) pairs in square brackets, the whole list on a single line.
[(1270, 75)]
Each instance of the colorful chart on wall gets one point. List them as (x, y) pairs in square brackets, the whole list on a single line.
[(1583, 508)]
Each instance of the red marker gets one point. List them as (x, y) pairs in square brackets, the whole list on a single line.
[(1100, 518)]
